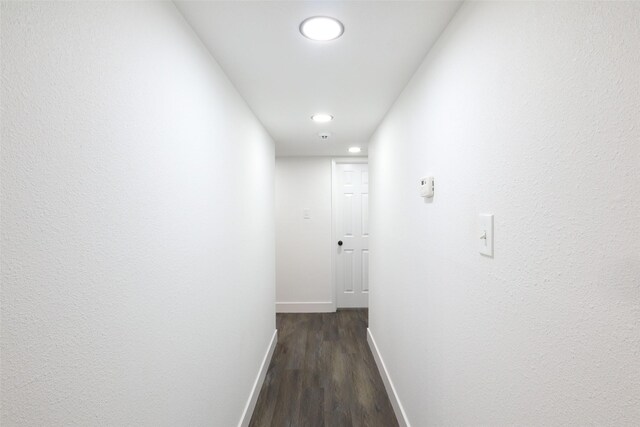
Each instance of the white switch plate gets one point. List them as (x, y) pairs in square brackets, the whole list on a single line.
[(485, 234), (306, 213)]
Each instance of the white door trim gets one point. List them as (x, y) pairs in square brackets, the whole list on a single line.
[(334, 237)]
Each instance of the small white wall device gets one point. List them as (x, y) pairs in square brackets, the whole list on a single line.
[(485, 233), (426, 186)]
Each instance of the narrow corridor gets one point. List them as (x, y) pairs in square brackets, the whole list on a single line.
[(323, 374), (175, 173)]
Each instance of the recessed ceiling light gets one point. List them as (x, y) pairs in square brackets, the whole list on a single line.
[(322, 117), (354, 149), (321, 28)]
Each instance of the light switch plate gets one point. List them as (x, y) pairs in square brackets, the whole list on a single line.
[(306, 213), (485, 234)]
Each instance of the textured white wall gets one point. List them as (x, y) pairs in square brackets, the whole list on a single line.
[(303, 246), (137, 222), (529, 111)]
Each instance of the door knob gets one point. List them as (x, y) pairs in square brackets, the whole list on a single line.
[(339, 242)]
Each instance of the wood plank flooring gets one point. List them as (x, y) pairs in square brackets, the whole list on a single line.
[(323, 374)]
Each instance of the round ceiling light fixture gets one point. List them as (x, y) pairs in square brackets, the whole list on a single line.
[(322, 117), (354, 149), (321, 28)]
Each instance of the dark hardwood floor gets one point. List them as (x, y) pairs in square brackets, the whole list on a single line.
[(323, 374)]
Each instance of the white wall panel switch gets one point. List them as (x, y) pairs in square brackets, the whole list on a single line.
[(485, 234), (306, 213)]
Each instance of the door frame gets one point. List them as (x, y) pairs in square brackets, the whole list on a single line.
[(334, 235)]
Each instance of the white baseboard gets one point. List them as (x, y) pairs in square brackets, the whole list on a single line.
[(257, 385), (388, 384), (305, 307)]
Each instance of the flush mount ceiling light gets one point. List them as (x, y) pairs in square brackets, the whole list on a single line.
[(321, 28), (354, 149), (322, 117)]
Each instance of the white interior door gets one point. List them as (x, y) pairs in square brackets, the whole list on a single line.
[(351, 232)]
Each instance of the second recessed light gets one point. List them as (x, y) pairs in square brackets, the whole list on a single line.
[(322, 117)]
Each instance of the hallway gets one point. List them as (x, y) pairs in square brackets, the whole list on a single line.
[(386, 213), (323, 374)]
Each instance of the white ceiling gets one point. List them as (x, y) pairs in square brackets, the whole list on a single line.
[(285, 77)]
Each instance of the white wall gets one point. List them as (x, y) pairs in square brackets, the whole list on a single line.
[(137, 222), (303, 246), (529, 111)]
